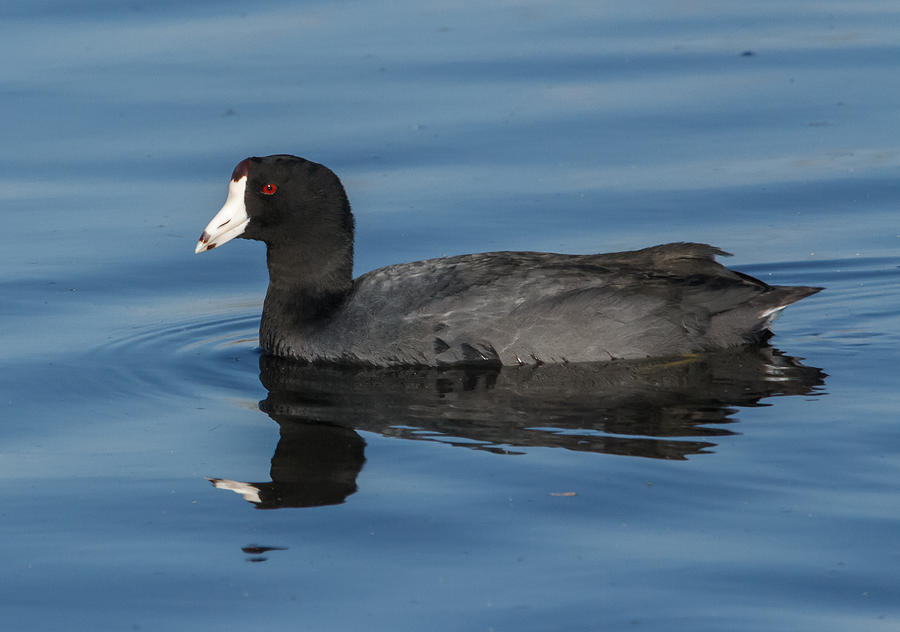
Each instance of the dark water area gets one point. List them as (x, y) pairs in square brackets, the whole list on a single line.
[(158, 473)]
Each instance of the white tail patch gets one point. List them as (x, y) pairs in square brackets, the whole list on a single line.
[(772, 313)]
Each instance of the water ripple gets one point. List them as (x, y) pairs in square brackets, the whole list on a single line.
[(181, 355)]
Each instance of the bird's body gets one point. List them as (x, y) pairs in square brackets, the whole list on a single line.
[(500, 307), (529, 307)]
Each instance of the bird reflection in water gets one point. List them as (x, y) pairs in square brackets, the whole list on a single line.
[(655, 408)]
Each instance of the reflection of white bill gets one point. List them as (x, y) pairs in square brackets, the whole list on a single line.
[(249, 492)]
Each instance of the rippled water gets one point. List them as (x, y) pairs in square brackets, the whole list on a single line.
[(144, 434)]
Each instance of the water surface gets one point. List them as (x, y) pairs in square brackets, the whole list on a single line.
[(746, 492)]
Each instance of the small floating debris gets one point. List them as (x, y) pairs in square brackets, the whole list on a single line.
[(255, 552), (255, 549)]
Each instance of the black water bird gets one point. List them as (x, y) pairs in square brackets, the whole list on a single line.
[(491, 308)]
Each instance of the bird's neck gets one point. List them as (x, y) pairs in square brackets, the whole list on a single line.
[(305, 288)]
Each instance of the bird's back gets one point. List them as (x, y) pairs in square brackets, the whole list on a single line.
[(525, 307)]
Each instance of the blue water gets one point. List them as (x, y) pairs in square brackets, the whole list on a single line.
[(763, 497)]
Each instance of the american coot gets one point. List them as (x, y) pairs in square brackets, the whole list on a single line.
[(497, 307)]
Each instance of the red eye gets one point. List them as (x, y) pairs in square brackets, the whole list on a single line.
[(269, 189)]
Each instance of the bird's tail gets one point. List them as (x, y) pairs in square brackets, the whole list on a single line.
[(772, 302)]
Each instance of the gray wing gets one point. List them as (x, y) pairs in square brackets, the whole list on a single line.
[(542, 307)]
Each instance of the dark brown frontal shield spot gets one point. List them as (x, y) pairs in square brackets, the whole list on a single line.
[(242, 169)]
